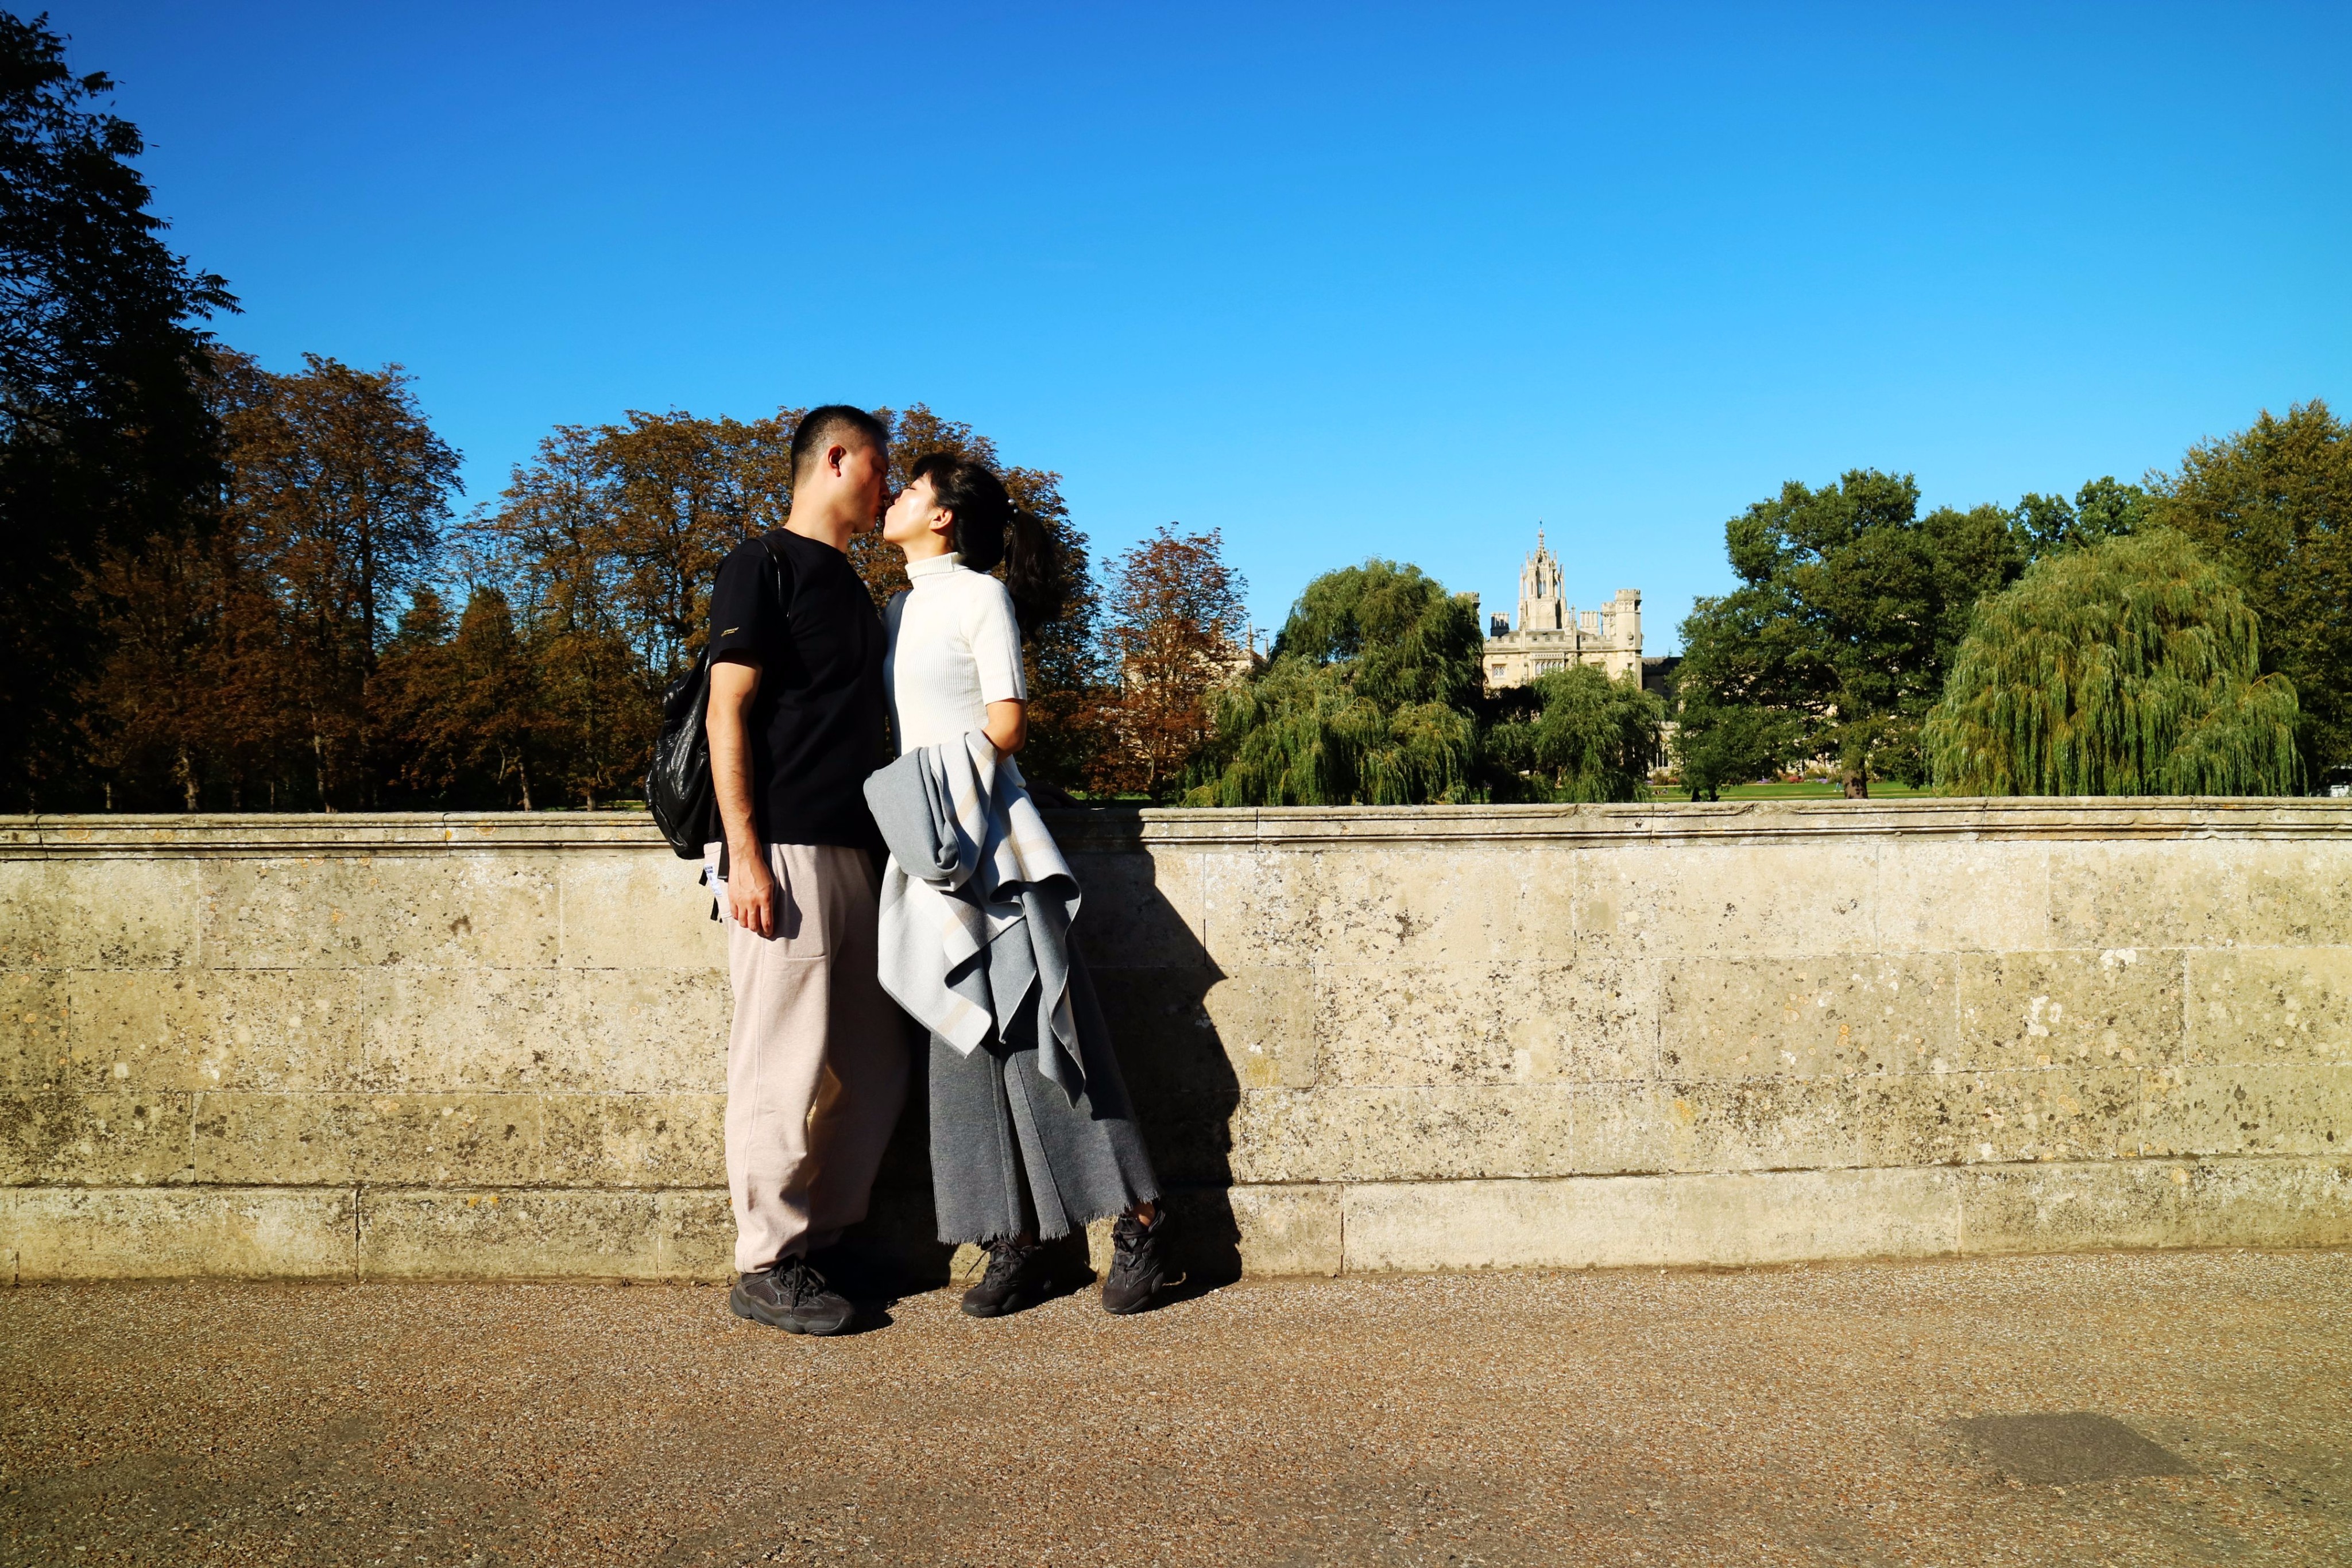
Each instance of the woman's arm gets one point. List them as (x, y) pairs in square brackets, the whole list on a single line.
[(1008, 725)]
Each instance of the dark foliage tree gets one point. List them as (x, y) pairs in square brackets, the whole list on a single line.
[(1718, 743), (2101, 510), (1849, 608), (2272, 505), (105, 439)]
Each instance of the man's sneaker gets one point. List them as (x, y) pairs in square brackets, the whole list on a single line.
[(1019, 1274), (791, 1296), (1138, 1262)]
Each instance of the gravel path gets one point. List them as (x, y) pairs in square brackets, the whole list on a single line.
[(1801, 1415)]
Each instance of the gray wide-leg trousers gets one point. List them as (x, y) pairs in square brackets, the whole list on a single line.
[(996, 1119)]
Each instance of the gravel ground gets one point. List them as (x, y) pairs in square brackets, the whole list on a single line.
[(1803, 1415)]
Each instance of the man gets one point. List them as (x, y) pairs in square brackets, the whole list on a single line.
[(817, 1059)]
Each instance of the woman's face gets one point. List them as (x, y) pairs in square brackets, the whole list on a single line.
[(914, 518)]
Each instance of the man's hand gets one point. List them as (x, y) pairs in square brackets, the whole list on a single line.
[(751, 894)]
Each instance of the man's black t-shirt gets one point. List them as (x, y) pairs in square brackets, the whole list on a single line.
[(818, 726)]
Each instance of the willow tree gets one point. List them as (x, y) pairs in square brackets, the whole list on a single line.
[(2130, 667), (1587, 737), (1369, 701)]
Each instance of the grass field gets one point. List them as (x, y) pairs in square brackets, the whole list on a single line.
[(1812, 789)]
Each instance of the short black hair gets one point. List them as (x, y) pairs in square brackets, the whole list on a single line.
[(821, 428)]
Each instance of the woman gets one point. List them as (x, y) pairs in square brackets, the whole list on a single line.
[(1020, 1154)]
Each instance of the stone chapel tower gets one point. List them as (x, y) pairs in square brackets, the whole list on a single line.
[(1552, 634)]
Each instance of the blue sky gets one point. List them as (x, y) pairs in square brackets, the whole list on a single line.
[(1337, 281)]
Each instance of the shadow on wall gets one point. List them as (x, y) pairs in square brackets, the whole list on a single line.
[(1152, 976)]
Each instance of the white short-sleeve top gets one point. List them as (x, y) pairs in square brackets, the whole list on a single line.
[(955, 648)]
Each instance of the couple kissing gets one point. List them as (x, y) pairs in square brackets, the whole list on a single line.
[(857, 895)]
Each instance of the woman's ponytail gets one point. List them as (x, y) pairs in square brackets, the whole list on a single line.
[(991, 530)]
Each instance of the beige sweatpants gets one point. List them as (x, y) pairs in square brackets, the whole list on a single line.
[(817, 1059)]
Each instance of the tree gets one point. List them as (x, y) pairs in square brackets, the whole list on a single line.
[(1589, 737), (466, 708), (2272, 505), (2101, 510), (2130, 667), (1718, 743), (104, 435), (1849, 608), (1170, 632), (338, 493), (1371, 698)]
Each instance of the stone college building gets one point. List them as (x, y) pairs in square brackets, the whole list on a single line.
[(1552, 634)]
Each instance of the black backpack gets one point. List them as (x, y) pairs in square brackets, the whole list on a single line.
[(677, 790)]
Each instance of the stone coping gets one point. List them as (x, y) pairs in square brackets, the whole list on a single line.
[(1117, 828)]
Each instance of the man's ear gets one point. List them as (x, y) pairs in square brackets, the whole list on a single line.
[(834, 457)]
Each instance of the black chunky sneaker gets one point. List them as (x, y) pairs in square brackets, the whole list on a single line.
[(791, 1296), (1138, 1262), (1020, 1275)]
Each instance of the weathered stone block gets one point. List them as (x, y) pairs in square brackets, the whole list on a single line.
[(1194, 1032), (34, 1017), (507, 1029), (1727, 901), (1395, 1135), (647, 1031), (136, 1138), (93, 914), (1257, 907), (1968, 1118), (1455, 904), (1435, 1024), (1392, 1025), (695, 1235), (440, 910), (1617, 1221), (2117, 1007), (636, 909), (2271, 1004), (2249, 1110), (2268, 1202), (214, 1029), (1140, 911), (2234, 891), (1289, 1229), (1804, 1017), (83, 1233), (2069, 1207), (1593, 1021), (1933, 895), (1757, 1124), (475, 1140), (635, 1140), (545, 1233)]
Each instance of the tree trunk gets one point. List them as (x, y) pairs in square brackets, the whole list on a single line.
[(1857, 782), (188, 772)]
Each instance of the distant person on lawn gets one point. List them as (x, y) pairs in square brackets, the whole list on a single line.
[(818, 1058)]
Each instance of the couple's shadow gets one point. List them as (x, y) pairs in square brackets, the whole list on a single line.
[(1152, 976)]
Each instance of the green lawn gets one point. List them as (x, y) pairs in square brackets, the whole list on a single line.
[(1814, 789)]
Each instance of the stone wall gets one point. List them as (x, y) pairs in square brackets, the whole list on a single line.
[(1368, 1038)]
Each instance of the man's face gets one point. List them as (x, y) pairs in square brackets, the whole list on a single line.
[(865, 472)]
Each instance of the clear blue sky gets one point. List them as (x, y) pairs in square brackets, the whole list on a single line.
[(1337, 281)]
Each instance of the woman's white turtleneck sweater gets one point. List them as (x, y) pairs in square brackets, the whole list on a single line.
[(955, 648)]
